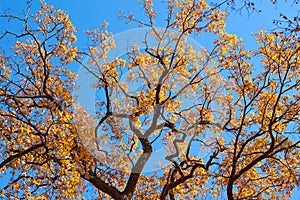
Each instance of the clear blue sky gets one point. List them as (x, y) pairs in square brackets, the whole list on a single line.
[(89, 14)]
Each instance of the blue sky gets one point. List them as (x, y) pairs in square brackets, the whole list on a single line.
[(89, 14)]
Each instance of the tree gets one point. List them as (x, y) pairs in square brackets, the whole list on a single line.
[(51, 148)]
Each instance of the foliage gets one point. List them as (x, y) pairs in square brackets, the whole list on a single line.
[(51, 148)]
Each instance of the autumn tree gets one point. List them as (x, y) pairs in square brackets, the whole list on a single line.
[(246, 113)]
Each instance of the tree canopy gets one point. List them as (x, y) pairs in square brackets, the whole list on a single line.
[(227, 118)]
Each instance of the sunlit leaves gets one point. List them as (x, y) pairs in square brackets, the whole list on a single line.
[(36, 132), (226, 122)]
